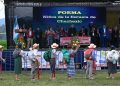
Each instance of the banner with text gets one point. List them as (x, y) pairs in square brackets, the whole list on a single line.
[(99, 54), (43, 63), (64, 16), (83, 40)]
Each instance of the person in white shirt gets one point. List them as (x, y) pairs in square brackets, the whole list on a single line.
[(33, 57), (112, 58)]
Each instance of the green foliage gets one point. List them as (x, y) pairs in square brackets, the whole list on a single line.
[(3, 43)]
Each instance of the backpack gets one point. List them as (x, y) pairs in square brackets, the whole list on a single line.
[(66, 55), (87, 54), (47, 55)]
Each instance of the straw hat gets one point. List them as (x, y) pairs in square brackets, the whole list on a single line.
[(92, 46), (30, 48), (1, 46), (54, 45), (35, 45)]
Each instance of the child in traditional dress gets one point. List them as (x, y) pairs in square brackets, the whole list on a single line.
[(1, 49), (54, 46), (112, 58), (71, 66), (33, 56), (17, 54), (89, 59)]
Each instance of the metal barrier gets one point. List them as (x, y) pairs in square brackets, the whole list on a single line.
[(9, 64), (79, 60)]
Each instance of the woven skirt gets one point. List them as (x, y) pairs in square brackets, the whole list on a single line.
[(112, 68), (71, 68)]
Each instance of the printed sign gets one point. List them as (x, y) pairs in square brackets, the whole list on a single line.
[(83, 40)]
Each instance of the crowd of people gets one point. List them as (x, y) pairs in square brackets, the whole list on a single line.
[(68, 60), (101, 36)]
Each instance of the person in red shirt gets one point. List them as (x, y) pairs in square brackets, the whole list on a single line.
[(50, 33), (89, 60)]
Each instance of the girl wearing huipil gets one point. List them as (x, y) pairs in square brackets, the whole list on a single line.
[(1, 59), (71, 65), (17, 54)]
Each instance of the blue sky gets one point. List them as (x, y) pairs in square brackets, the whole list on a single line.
[(2, 13), (2, 10)]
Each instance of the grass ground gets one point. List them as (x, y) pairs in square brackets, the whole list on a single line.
[(3, 43), (61, 79)]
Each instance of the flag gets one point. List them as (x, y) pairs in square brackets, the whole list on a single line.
[(15, 35)]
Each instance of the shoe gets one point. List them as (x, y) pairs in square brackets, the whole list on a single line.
[(17, 79), (32, 79), (1, 78), (108, 77), (69, 78), (87, 78), (53, 78), (112, 77), (94, 73), (91, 78)]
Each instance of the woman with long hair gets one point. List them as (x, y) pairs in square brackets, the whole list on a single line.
[(17, 54)]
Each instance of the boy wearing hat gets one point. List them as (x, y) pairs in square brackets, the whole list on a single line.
[(54, 46), (33, 54), (89, 59)]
